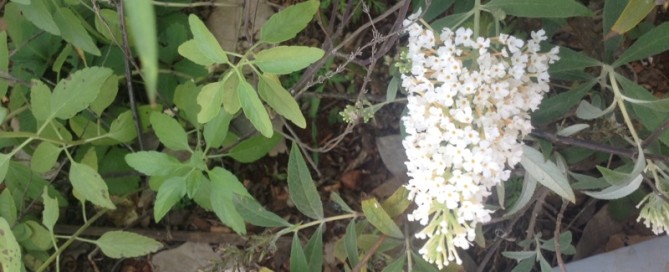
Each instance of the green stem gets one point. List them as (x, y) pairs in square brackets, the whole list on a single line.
[(477, 17), (67, 243), (621, 104)]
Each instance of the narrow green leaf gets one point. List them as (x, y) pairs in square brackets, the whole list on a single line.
[(587, 111), (378, 217), (519, 255), (4, 63), (39, 14), (525, 265), (285, 24), (653, 42), (271, 91), (301, 187), (618, 191), (153, 163), (8, 209), (393, 87), (651, 119), (44, 157), (123, 244), (283, 60), (433, 9), (257, 215), (540, 8), (395, 266), (10, 252), (253, 109), (40, 100), (90, 185), (210, 99), (254, 148), (334, 196), (106, 97), (224, 185), (351, 244), (169, 193), (216, 130), (191, 51), (122, 129), (555, 107), (73, 31), (451, 21), (421, 265), (571, 60), (633, 13), (529, 186), (50, 212), (546, 173), (206, 41), (314, 249), (397, 203), (4, 165), (545, 266), (169, 131), (73, 95), (298, 261), (142, 21)]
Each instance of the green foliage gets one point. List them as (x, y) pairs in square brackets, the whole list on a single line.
[(122, 244), (301, 187)]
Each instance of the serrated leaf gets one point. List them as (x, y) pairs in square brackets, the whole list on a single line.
[(285, 24), (254, 148), (334, 196), (529, 186), (314, 249), (90, 185), (169, 193), (50, 211), (44, 157), (653, 42), (540, 8), (253, 109), (142, 20), (122, 129), (216, 129), (210, 99), (351, 244), (298, 261), (106, 97), (283, 60), (153, 163), (301, 187), (224, 186), (40, 100), (73, 31), (546, 173), (271, 91), (8, 209), (169, 132), (75, 94), (123, 244), (191, 51), (10, 252), (206, 41), (255, 214), (378, 217)]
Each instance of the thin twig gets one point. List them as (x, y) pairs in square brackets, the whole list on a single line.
[(192, 5), (538, 206), (372, 250), (556, 236)]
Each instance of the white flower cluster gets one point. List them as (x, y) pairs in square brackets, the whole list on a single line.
[(655, 213), (468, 108)]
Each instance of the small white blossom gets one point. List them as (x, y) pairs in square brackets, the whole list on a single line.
[(468, 104), (655, 213)]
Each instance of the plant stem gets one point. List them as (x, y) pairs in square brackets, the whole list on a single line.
[(477, 17)]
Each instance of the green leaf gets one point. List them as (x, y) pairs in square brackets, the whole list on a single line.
[(621, 190), (545, 266), (39, 14), (351, 244), (106, 96), (191, 51), (519, 255), (587, 111), (224, 185), (298, 261), (254, 148), (153, 163), (301, 187), (4, 165), (216, 130), (540, 8), (421, 265), (193, 182), (142, 21), (50, 212), (285, 24), (571, 60), (334, 196), (555, 107), (10, 252), (257, 215), (378, 217), (314, 249), (271, 91), (395, 266), (546, 173), (4, 63), (90, 185), (231, 101), (433, 9), (108, 24), (169, 193), (44, 157), (8, 209), (253, 109), (40, 101), (283, 60), (633, 13), (169, 132), (39, 238), (123, 244), (73, 31), (529, 186), (451, 21), (397, 203), (653, 42), (651, 119), (210, 99), (185, 98), (393, 87), (206, 41), (75, 94), (122, 129)]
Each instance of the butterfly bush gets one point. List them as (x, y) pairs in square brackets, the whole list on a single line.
[(655, 213), (468, 109)]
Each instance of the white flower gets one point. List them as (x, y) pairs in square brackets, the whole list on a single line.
[(467, 110), (655, 213)]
